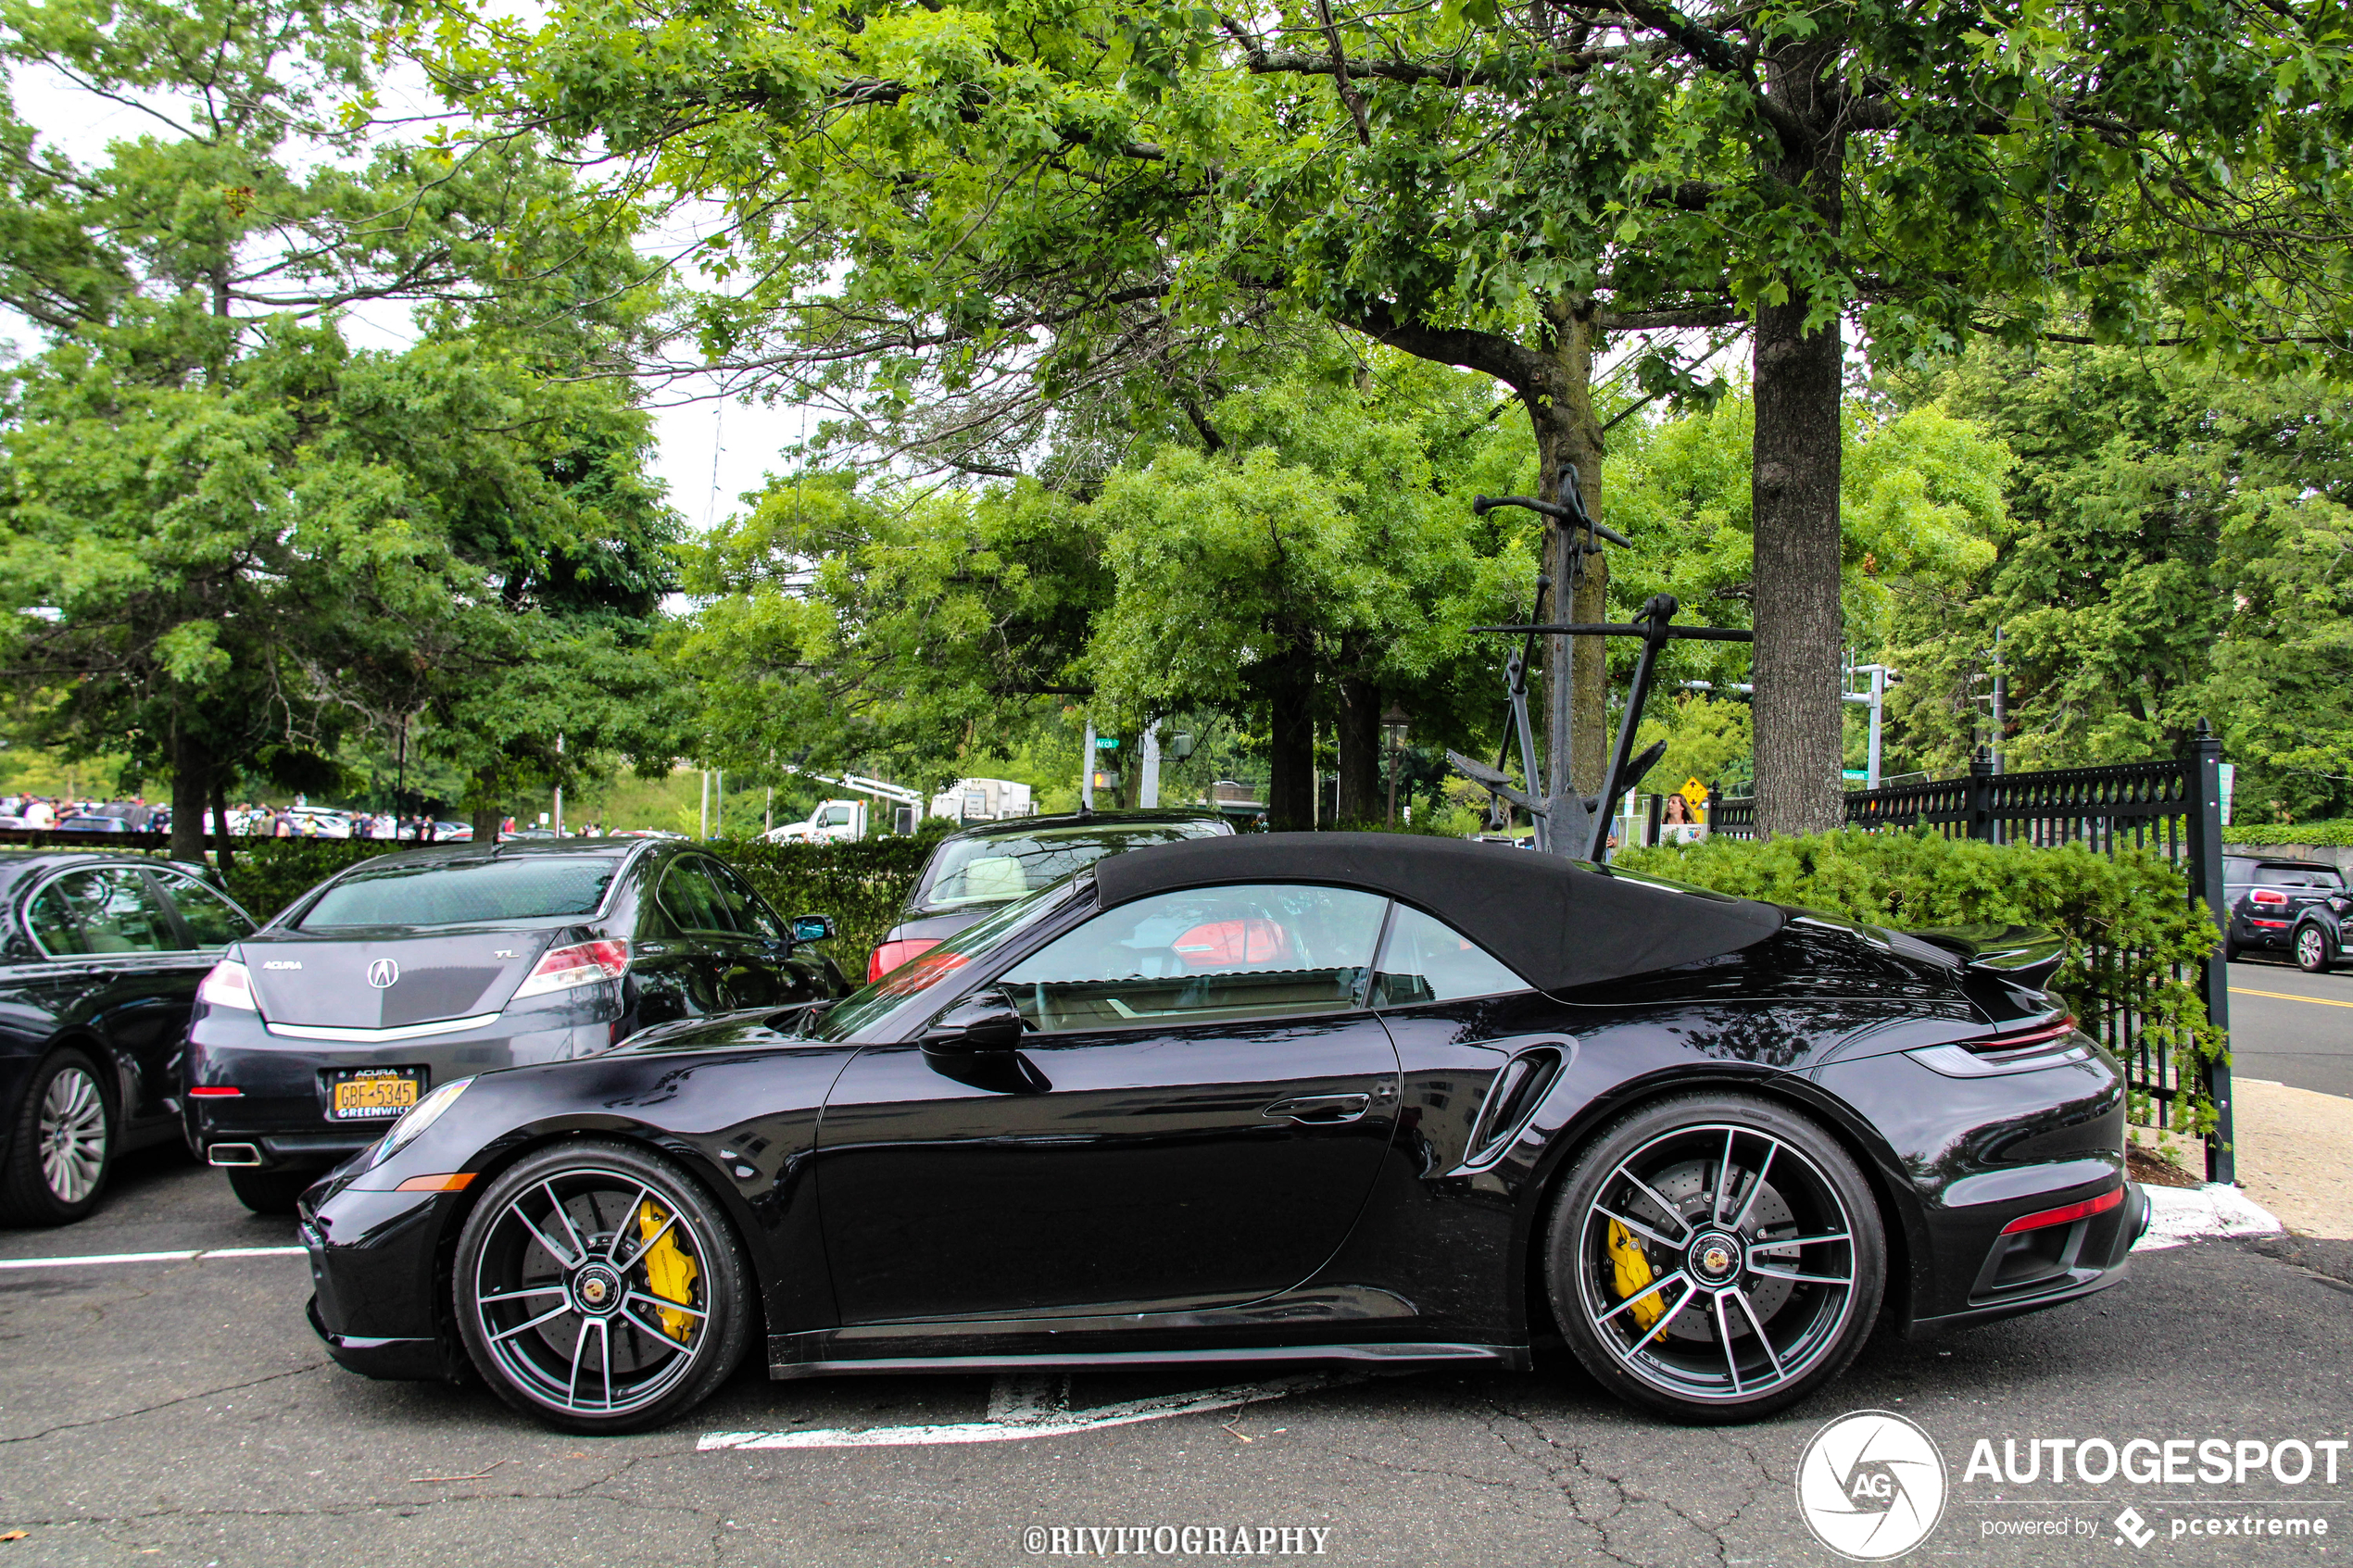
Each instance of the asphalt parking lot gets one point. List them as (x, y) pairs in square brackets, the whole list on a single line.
[(181, 1412), (2291, 1027)]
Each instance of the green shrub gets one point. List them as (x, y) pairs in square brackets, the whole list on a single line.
[(2136, 943), (861, 885), (2332, 832), (267, 875)]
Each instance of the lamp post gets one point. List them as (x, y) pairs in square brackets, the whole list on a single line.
[(1392, 725)]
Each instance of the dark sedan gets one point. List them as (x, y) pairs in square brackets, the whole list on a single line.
[(419, 967), (1351, 1097), (100, 958), (993, 864)]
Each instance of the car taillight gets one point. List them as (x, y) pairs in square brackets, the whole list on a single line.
[(214, 1091), (583, 963), (2049, 1044), (890, 955), (2041, 1034), (229, 985), (2268, 896)]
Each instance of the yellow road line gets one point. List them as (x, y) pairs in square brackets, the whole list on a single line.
[(2290, 996)]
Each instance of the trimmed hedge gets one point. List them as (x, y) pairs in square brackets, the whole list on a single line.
[(2331, 831), (2128, 920), (861, 885)]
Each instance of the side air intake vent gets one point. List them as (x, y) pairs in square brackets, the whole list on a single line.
[(1518, 1089)]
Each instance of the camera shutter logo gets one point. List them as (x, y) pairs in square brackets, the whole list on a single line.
[(382, 973), (1871, 1485)]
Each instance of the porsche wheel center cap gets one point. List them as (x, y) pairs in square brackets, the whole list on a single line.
[(1714, 1258), (596, 1289)]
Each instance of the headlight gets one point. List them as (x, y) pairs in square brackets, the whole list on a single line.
[(423, 1114)]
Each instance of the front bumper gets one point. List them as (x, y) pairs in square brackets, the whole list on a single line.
[(379, 1281), (279, 1120)]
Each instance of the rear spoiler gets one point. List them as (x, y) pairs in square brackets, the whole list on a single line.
[(2023, 956)]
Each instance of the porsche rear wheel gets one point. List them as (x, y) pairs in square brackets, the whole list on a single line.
[(600, 1289), (1715, 1257)]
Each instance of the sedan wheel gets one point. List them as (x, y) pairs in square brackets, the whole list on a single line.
[(61, 1149), (1715, 1257), (2312, 950), (599, 1289)]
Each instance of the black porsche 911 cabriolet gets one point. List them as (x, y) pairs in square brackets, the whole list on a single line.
[(1279, 1098)]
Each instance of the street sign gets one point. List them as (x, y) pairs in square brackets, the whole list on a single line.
[(1106, 743), (1694, 794)]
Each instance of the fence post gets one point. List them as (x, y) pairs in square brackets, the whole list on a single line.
[(1980, 795), (2206, 887)]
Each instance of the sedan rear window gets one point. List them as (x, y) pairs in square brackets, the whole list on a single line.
[(462, 891), (997, 868)]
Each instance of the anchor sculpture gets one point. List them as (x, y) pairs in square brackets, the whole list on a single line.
[(1569, 822)]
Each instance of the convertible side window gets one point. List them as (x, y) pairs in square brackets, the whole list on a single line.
[(1426, 960), (1204, 955)]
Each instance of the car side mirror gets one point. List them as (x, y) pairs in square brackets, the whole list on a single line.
[(811, 928), (983, 1022)]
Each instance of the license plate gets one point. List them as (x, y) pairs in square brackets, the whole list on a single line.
[(361, 1094)]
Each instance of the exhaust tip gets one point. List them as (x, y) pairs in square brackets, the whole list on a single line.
[(234, 1154)]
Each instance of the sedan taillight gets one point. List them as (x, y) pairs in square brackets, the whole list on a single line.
[(583, 963), (890, 955), (229, 985)]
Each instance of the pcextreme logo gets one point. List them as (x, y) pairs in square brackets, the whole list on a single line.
[(1871, 1485)]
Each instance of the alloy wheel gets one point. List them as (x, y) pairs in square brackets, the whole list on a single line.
[(1718, 1263), (72, 1134), (2312, 948), (592, 1291)]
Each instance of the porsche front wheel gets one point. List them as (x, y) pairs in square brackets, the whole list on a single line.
[(1715, 1257), (600, 1289)]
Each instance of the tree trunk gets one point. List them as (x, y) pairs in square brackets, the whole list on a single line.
[(1795, 485), (485, 809), (1289, 681), (1577, 710), (191, 789), (1358, 735), (221, 854)]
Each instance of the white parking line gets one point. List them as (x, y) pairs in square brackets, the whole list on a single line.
[(96, 1258), (1021, 1407), (2180, 1214)]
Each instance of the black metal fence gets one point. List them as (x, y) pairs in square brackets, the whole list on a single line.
[(2174, 807)]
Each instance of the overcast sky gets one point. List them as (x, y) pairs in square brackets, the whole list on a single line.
[(709, 452)]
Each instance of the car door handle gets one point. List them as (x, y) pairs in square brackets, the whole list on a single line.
[(1321, 1109)]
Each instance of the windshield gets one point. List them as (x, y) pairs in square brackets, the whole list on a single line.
[(995, 868), (870, 1003), (463, 892), (2298, 876)]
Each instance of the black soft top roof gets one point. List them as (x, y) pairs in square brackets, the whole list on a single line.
[(1559, 923)]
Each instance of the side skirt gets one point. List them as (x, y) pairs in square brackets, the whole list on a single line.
[(786, 1352)]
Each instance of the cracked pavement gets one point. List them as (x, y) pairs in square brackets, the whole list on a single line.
[(183, 1413)]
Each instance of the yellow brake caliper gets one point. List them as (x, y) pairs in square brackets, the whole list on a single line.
[(1632, 1266), (670, 1271)]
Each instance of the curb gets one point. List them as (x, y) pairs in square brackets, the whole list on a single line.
[(2182, 1214)]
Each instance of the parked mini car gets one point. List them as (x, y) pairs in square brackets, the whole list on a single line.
[(91, 822), (2267, 899), (100, 958), (1354, 1097), (990, 865), (426, 965)]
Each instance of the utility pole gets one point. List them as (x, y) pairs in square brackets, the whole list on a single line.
[(560, 784), (1999, 691), (1148, 784), (719, 806), (706, 803), (1087, 770)]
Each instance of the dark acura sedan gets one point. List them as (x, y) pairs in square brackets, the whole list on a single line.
[(1351, 1097), (418, 968), (100, 958), (992, 864)]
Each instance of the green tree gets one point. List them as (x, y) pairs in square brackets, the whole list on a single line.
[(2173, 551), (207, 491), (951, 219)]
